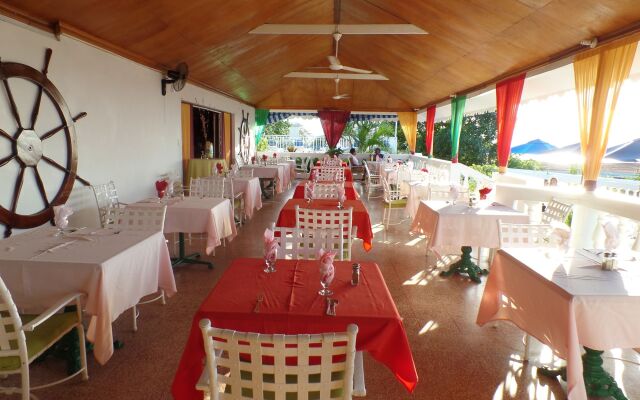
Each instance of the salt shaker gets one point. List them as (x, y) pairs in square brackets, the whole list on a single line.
[(355, 274)]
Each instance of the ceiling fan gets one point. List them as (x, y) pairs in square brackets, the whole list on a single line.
[(334, 62), (339, 96)]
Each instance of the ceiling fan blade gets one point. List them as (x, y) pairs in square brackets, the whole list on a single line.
[(333, 60), (333, 75), (347, 29), (352, 69)]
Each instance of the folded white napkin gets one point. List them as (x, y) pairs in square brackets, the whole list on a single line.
[(61, 215), (611, 241)]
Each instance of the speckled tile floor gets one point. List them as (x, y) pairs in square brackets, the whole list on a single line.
[(455, 358)]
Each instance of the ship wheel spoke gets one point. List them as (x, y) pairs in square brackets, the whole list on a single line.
[(36, 105), (14, 109), (5, 160), (63, 169), (61, 127), (18, 189), (43, 192), (6, 135)]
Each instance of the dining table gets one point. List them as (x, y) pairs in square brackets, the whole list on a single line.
[(290, 304), (567, 301), (192, 214), (113, 268), (448, 224), (279, 174), (360, 217), (252, 193), (349, 190)]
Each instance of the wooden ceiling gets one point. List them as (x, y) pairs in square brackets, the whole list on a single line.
[(471, 42)]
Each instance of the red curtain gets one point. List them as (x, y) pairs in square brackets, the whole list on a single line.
[(333, 123), (431, 119), (508, 94)]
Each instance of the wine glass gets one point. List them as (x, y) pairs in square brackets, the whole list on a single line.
[(325, 288), (270, 265)]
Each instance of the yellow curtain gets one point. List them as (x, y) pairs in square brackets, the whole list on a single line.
[(599, 75), (409, 123)]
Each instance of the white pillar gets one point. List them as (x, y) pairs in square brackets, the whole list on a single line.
[(583, 224)]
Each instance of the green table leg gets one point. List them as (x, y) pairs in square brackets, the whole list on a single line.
[(465, 265), (187, 259), (596, 380)]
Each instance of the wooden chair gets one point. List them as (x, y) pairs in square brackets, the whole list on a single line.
[(393, 200), (329, 219), (24, 338), (523, 235), (277, 366), (304, 243), (374, 181)]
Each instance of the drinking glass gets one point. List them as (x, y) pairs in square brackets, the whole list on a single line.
[(325, 288), (270, 265)]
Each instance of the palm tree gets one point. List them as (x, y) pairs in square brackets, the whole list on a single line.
[(367, 135)]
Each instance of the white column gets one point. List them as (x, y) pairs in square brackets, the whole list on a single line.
[(583, 224)]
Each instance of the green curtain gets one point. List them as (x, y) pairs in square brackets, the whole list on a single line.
[(457, 115), (261, 121)]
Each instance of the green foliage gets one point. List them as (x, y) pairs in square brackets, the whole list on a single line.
[(477, 139), (277, 128), (574, 170), (263, 144), (517, 162), (487, 169), (334, 151), (367, 135)]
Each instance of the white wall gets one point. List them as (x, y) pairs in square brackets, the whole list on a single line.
[(131, 135)]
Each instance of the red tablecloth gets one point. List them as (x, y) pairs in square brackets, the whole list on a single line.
[(349, 191), (360, 217), (292, 305)]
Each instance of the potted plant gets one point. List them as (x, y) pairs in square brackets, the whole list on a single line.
[(334, 151), (291, 149)]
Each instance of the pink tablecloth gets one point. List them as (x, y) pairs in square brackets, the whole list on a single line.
[(114, 271), (252, 193), (449, 225), (274, 171), (194, 215), (565, 301)]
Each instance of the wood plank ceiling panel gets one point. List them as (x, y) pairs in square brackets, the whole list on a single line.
[(470, 42)]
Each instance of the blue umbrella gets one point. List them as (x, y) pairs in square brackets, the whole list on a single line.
[(535, 146)]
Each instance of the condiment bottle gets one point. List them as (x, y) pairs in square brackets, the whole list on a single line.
[(355, 274)]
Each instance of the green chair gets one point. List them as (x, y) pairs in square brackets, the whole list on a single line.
[(23, 338)]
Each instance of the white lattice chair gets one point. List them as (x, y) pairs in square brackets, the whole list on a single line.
[(24, 338), (236, 198), (443, 193), (556, 211), (207, 187), (326, 190), (524, 235), (329, 219), (106, 199), (142, 219), (303, 169), (243, 355), (393, 200), (304, 243), (332, 162), (327, 174), (374, 181)]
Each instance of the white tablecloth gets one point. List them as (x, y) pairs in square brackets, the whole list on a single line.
[(276, 172), (418, 191), (449, 225), (194, 215), (113, 270), (565, 301), (252, 193)]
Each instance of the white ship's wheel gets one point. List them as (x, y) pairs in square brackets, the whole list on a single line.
[(28, 147)]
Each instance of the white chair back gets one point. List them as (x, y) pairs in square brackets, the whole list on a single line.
[(556, 211), (443, 193), (242, 353), (303, 244), (332, 162), (329, 219), (523, 235), (391, 193), (326, 190), (212, 186), (13, 342), (327, 174), (141, 218), (106, 198)]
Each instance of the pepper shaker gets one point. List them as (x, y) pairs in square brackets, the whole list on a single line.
[(355, 274)]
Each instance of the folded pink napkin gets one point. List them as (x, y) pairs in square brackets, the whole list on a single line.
[(270, 245), (611, 241), (61, 215), (341, 195), (327, 270), (454, 192), (559, 234)]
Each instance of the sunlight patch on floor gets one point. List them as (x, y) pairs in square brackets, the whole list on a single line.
[(429, 327), (414, 241), (377, 228), (511, 388), (421, 278)]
